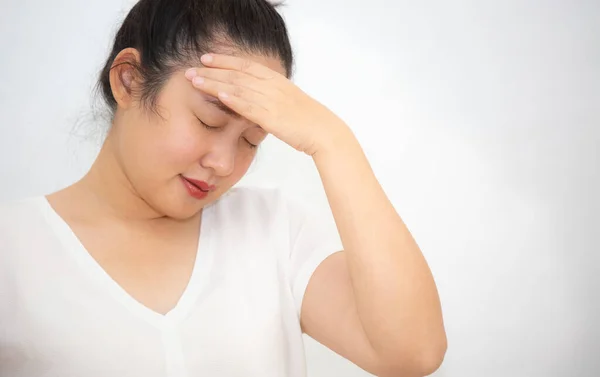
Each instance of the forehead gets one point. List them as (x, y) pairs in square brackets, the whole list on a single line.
[(179, 89)]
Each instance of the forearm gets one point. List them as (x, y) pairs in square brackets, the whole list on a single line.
[(395, 293)]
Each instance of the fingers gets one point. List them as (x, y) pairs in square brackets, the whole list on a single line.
[(246, 102), (226, 76), (248, 88), (238, 64), (251, 111)]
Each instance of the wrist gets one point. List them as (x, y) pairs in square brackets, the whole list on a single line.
[(337, 137)]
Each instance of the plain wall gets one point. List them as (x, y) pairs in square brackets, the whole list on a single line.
[(480, 118)]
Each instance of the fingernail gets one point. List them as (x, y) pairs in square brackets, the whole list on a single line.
[(206, 58), (190, 73), (198, 80)]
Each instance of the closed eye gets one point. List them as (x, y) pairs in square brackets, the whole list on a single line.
[(250, 144), (206, 125)]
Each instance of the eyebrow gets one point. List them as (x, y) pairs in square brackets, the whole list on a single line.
[(221, 106)]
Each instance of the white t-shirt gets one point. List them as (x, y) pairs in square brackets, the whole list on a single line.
[(61, 315)]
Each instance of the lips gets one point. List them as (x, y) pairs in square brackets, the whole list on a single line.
[(203, 186), (196, 188), (200, 184)]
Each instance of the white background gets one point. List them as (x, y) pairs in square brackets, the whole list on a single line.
[(480, 118)]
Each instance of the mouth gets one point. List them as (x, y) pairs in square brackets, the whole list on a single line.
[(196, 186), (200, 185)]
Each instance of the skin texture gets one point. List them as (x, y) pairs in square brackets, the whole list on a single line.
[(139, 222), (374, 303)]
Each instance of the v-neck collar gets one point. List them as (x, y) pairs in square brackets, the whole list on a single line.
[(197, 281)]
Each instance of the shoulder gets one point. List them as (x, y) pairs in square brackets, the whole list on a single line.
[(21, 223), (19, 212)]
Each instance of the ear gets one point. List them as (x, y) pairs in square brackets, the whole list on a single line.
[(124, 77)]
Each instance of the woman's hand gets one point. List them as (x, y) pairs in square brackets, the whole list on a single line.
[(269, 99)]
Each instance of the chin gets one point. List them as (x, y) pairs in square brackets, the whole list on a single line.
[(176, 207), (184, 210), (182, 215)]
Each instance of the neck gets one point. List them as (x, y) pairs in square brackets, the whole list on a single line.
[(107, 190)]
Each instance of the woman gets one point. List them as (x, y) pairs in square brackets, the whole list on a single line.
[(151, 265)]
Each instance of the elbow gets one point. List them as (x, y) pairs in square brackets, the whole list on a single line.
[(432, 360), (430, 355), (421, 362)]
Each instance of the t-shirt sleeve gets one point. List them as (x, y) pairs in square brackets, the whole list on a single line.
[(313, 238)]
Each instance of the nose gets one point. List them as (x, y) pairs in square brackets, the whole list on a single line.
[(220, 158)]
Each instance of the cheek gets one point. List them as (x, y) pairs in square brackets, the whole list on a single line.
[(183, 145), (242, 163)]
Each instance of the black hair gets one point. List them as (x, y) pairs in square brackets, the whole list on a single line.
[(173, 34)]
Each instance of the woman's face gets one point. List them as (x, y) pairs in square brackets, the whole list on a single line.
[(194, 138)]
